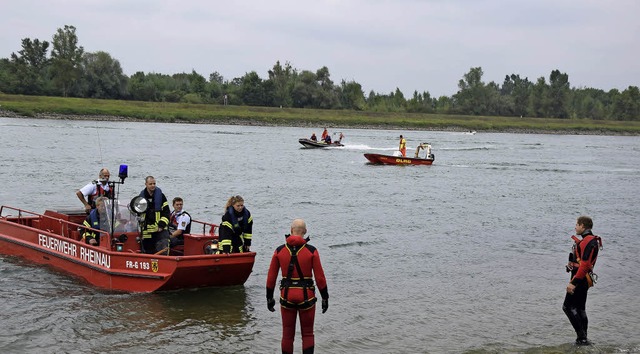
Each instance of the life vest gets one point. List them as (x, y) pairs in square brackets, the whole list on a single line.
[(174, 221), (158, 204), (305, 283), (578, 250), (234, 231), (93, 222), (99, 192), (403, 143), (238, 227)]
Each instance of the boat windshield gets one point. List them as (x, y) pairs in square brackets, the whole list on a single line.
[(124, 221)]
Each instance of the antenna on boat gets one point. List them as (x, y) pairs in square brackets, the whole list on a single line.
[(123, 173), (99, 144)]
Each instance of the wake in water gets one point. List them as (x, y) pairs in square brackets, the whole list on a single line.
[(367, 147), (355, 243)]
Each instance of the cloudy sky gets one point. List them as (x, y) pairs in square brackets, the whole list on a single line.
[(423, 45)]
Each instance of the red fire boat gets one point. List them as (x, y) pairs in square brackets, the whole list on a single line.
[(54, 239)]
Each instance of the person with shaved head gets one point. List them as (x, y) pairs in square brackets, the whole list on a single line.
[(298, 262)]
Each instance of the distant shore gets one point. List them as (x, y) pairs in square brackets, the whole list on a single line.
[(258, 122)]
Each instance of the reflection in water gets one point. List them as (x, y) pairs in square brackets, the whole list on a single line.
[(202, 320)]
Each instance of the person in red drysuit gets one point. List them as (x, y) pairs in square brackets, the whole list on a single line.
[(299, 262)]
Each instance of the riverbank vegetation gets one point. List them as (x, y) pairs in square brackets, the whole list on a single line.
[(292, 96), (102, 109)]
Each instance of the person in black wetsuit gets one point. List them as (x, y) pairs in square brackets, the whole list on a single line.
[(581, 261)]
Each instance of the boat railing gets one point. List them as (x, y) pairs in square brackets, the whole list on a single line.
[(55, 225), (206, 227)]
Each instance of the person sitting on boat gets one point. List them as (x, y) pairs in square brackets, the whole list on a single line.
[(95, 189), (424, 146), (420, 147), (327, 139), (403, 146), (155, 236), (340, 138), (179, 222), (93, 221), (325, 133), (236, 227), (313, 137)]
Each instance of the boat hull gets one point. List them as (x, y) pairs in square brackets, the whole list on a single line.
[(37, 240), (379, 159), (311, 144)]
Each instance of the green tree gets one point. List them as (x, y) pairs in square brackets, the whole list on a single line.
[(305, 90), (29, 67), (66, 58), (7, 77), (589, 103), (558, 94), (539, 99), (398, 101), (198, 83), (444, 104), (627, 105), (472, 96), (519, 90), (282, 81), (326, 96), (141, 88), (102, 76), (352, 96), (252, 90), (216, 77)]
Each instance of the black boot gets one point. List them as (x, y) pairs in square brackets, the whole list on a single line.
[(576, 322), (584, 321), (308, 350)]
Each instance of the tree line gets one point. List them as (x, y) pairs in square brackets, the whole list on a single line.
[(68, 71)]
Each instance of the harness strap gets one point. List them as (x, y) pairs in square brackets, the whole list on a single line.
[(289, 281), (301, 306), (297, 283)]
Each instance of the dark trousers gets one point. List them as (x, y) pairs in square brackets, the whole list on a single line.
[(574, 307), (157, 242)]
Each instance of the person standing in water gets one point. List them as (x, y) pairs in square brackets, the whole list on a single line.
[(298, 262), (582, 259)]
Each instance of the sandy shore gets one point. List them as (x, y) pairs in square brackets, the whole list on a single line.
[(253, 122)]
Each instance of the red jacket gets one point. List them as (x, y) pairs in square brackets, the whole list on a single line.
[(586, 254), (309, 260)]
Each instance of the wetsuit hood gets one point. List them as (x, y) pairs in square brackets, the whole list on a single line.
[(294, 240)]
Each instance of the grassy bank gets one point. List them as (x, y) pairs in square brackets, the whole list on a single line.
[(93, 109)]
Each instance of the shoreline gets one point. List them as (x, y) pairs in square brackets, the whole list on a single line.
[(255, 122)]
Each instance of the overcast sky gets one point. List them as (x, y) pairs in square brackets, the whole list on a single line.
[(423, 45)]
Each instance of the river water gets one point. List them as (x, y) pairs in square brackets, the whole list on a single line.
[(466, 255)]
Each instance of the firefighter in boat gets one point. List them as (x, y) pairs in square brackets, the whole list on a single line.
[(155, 236), (236, 227), (93, 220)]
